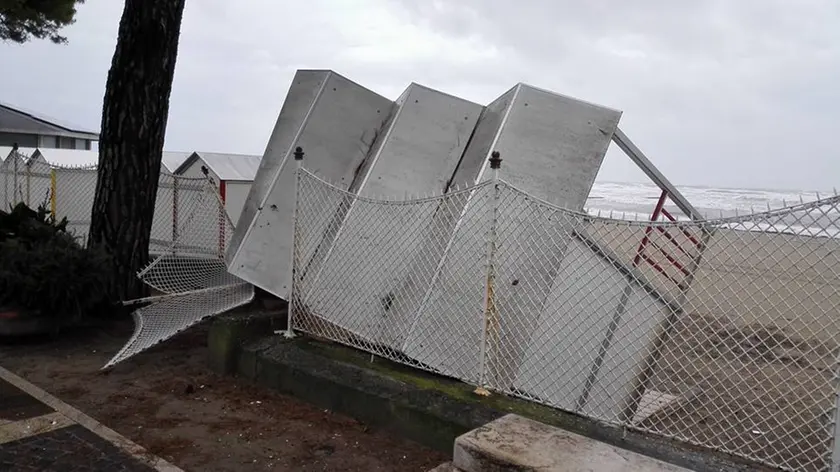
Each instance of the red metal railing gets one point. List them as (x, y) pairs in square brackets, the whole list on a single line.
[(642, 255)]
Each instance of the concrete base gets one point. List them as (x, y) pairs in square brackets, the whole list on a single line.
[(514, 443), (230, 331), (426, 408)]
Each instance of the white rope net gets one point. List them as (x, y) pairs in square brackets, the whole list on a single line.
[(721, 333), (190, 276)]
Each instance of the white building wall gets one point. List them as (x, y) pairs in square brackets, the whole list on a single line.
[(198, 233), (236, 192), (194, 170)]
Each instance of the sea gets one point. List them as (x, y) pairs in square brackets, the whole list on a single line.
[(636, 201)]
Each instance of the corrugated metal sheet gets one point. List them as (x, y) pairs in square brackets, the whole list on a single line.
[(231, 166)]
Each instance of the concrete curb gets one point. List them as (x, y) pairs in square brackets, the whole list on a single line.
[(430, 409)]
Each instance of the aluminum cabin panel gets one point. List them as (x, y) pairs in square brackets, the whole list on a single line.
[(300, 99), (419, 152), (552, 146), (337, 131)]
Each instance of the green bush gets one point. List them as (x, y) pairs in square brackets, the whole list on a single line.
[(44, 271)]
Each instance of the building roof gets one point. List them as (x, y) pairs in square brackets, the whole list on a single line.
[(19, 120), (6, 151), (226, 166), (84, 158), (172, 160)]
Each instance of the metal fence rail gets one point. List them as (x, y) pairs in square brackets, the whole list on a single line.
[(721, 333)]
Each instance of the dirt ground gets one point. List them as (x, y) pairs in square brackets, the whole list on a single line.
[(169, 402)]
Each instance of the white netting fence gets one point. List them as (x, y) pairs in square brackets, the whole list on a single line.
[(720, 333), (190, 232), (190, 275), (69, 192)]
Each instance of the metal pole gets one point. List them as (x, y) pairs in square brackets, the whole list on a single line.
[(835, 418), (28, 167), (290, 333), (490, 333), (53, 188), (644, 164), (15, 171), (174, 209)]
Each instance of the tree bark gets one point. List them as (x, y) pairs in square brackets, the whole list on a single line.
[(134, 117)]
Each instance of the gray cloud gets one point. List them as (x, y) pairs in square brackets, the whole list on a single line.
[(716, 92)]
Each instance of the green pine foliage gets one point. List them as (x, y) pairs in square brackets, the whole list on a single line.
[(21, 20), (44, 271)]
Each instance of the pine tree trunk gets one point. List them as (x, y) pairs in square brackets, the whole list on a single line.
[(134, 116)]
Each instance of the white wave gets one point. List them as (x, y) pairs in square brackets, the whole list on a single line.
[(707, 200)]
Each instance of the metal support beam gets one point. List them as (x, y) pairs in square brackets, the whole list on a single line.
[(653, 173), (668, 188)]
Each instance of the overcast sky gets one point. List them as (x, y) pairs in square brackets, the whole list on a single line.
[(717, 92)]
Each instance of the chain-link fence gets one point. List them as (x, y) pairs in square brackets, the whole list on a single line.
[(190, 231), (69, 192), (722, 333), (26, 180)]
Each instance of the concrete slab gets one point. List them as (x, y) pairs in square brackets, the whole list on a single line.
[(514, 443), (417, 155), (337, 122), (552, 147)]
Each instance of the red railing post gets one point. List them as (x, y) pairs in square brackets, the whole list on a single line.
[(653, 217)]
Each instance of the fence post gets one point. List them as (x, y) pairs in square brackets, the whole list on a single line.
[(28, 167), (15, 171), (290, 333), (174, 209), (490, 333), (53, 186), (835, 449)]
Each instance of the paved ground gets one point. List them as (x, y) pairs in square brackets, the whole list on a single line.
[(168, 401), (38, 432)]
